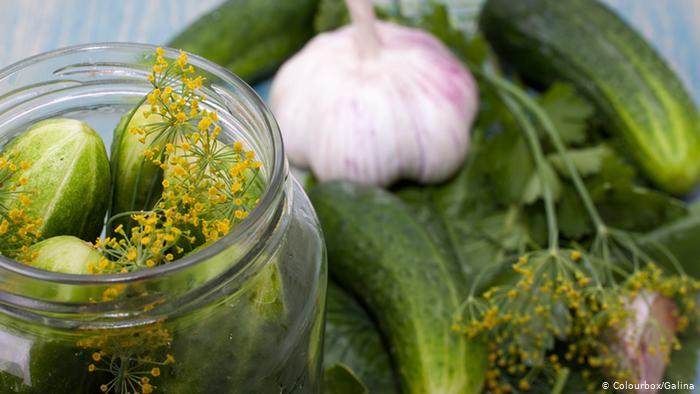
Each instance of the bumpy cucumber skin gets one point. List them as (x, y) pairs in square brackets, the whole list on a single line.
[(68, 177), (136, 182), (66, 254), (635, 91), (413, 296), (250, 37)]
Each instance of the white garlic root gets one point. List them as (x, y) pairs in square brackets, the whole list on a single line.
[(375, 102)]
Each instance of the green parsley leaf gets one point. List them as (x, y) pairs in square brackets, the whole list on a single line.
[(568, 111), (587, 161)]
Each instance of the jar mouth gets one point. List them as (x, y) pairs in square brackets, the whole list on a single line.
[(269, 201)]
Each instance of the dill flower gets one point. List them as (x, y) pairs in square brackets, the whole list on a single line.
[(146, 245), (18, 229), (208, 187), (563, 310), (132, 356), (207, 184), (577, 308)]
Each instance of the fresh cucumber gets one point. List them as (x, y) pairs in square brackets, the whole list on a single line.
[(66, 254), (387, 259), (234, 338), (250, 37), (67, 179), (635, 91), (33, 365), (136, 182)]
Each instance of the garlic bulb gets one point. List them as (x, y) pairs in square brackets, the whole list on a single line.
[(375, 102), (653, 323)]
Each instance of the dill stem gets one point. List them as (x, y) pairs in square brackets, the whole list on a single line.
[(536, 149), (600, 226), (560, 382)]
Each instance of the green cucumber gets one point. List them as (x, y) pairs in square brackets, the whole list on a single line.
[(250, 37), (66, 254), (230, 338), (389, 261), (636, 93), (136, 182), (40, 366), (68, 176)]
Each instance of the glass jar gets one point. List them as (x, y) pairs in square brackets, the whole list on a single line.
[(244, 315)]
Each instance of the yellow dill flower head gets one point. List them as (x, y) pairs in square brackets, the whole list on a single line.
[(18, 229), (202, 176)]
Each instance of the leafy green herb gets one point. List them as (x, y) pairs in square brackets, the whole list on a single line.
[(568, 112), (352, 340), (578, 294), (340, 379), (464, 217), (567, 186)]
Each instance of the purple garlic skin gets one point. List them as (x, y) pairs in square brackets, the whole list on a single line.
[(653, 322), (400, 108)]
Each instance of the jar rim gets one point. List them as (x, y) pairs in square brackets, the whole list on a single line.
[(268, 201)]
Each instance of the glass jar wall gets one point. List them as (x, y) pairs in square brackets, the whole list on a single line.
[(244, 315)]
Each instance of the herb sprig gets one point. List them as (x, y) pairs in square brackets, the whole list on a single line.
[(206, 184), (206, 190), (578, 296)]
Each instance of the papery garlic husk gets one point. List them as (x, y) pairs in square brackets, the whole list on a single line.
[(375, 102), (647, 338)]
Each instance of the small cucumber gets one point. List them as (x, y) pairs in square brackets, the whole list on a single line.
[(45, 366), (231, 338), (66, 254), (136, 182), (68, 176), (378, 250), (250, 37)]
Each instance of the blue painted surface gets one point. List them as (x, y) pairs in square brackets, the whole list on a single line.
[(29, 27)]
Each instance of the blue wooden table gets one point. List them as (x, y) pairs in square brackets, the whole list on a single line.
[(29, 27)]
